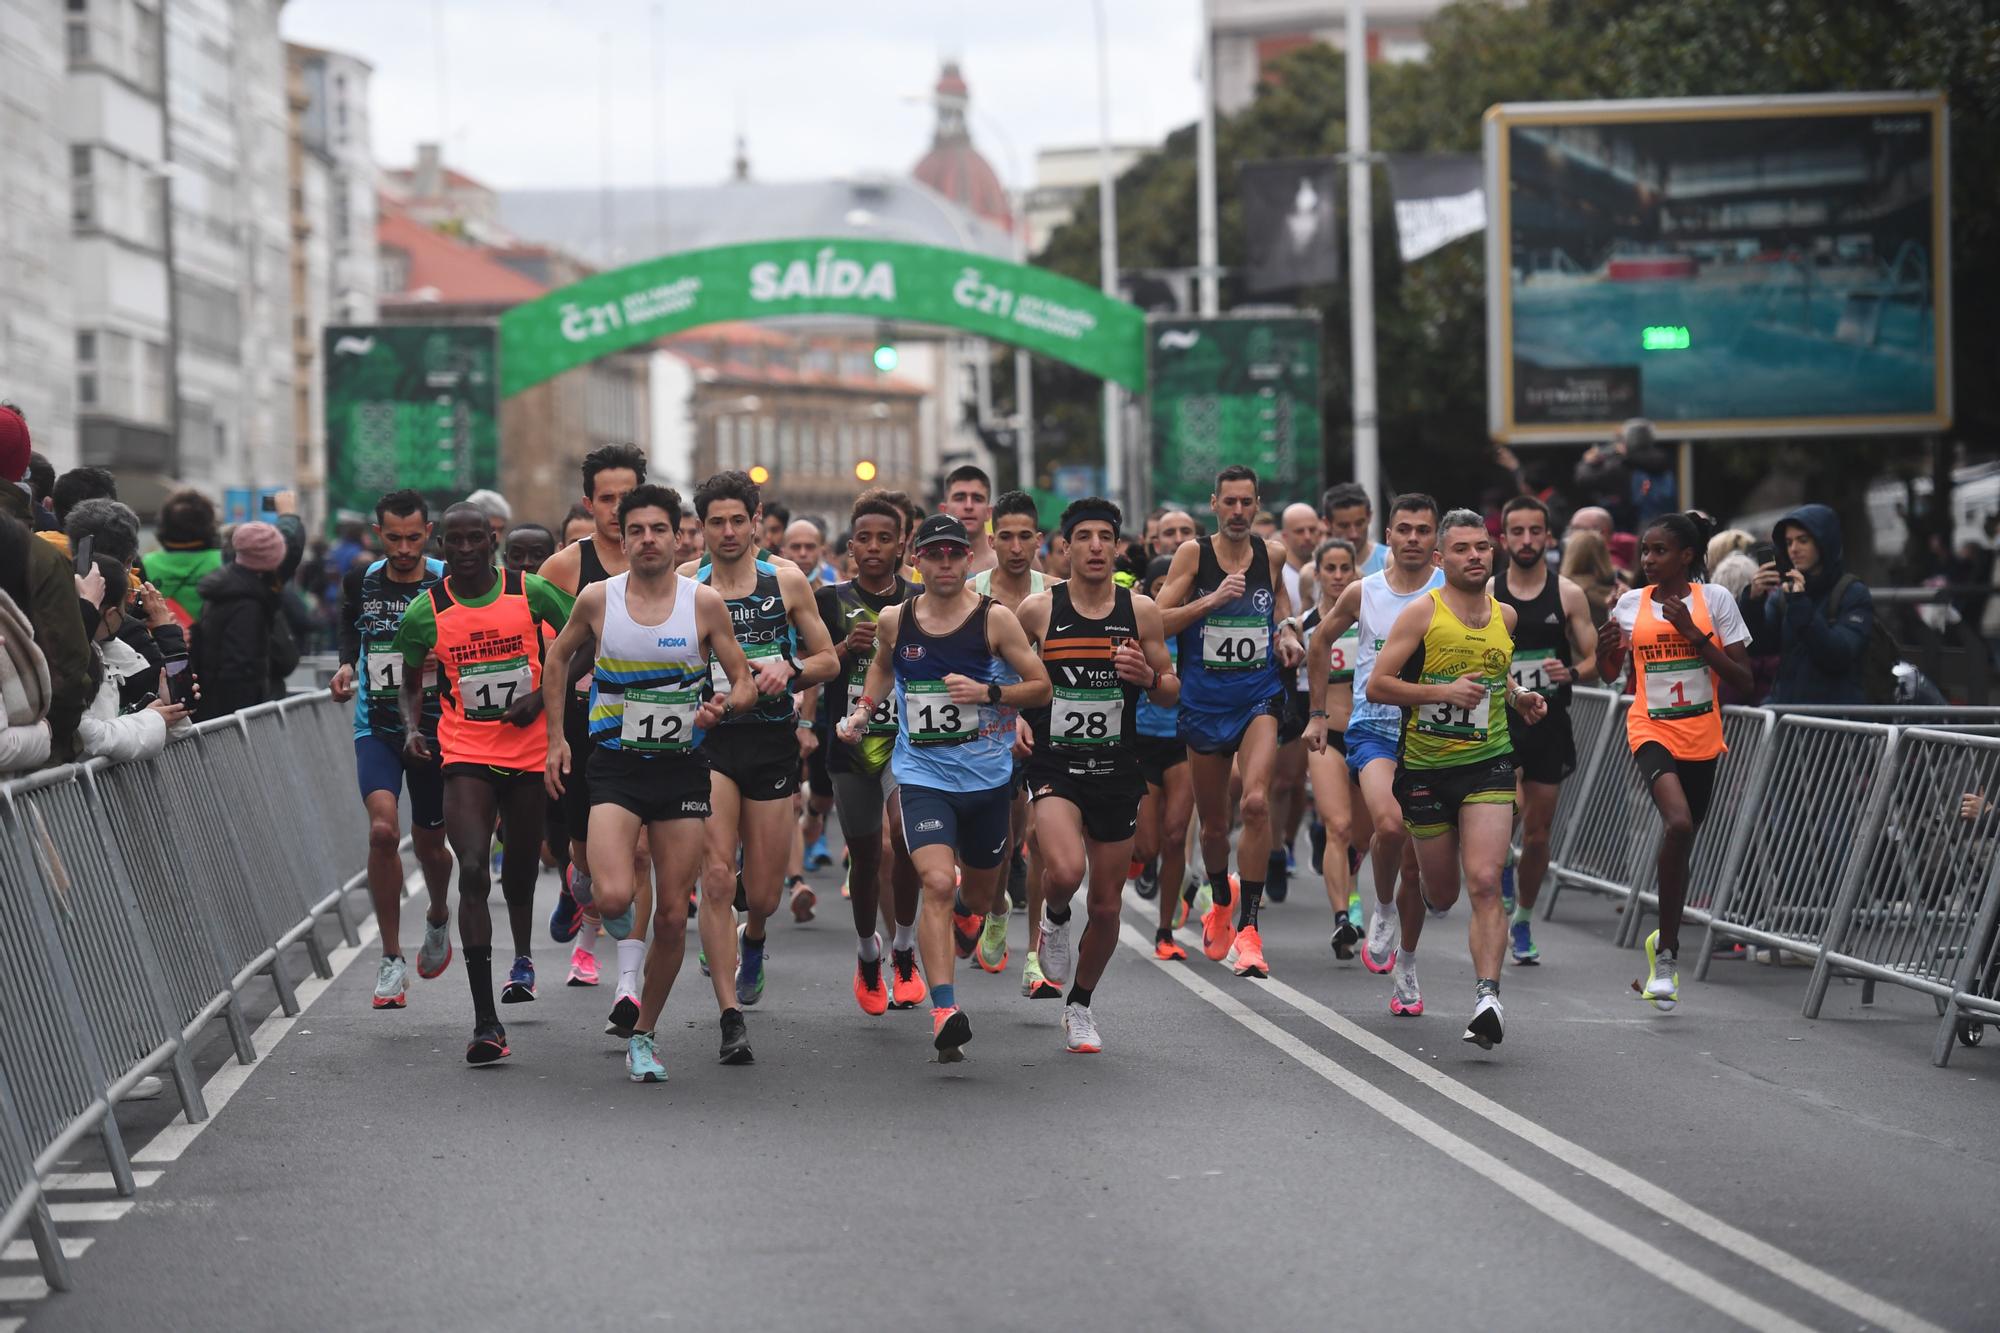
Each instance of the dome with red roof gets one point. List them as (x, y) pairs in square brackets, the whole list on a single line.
[(953, 167)]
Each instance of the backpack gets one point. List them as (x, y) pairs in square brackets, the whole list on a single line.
[(1879, 658)]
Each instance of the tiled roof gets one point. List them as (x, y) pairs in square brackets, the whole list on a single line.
[(460, 274)]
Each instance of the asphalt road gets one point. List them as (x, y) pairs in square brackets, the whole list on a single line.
[(1279, 1155)]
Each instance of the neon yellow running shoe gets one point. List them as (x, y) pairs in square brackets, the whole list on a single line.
[(992, 951), (1034, 984)]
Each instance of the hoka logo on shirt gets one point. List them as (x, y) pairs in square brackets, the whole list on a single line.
[(673, 641)]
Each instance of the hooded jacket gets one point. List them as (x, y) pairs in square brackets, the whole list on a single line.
[(56, 613), (1820, 654), (241, 643)]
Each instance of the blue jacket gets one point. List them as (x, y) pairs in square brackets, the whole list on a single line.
[(1820, 656)]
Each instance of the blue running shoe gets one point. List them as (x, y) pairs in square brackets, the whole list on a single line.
[(620, 926), (520, 982), (567, 917), (749, 970), (1523, 941), (817, 856)]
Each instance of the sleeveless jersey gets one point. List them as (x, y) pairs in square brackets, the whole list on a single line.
[(982, 582), (1226, 657), (1086, 729), (1673, 695), (764, 630), (490, 660), (646, 683), (1541, 634), (1380, 605), (589, 569), (942, 744), (871, 753), (1441, 735), (378, 672), (1340, 654)]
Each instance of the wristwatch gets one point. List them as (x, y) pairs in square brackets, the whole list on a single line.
[(993, 692)]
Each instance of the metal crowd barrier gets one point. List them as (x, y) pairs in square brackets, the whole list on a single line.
[(137, 901)]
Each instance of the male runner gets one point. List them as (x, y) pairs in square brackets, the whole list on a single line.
[(688, 542), (655, 631), (1445, 665), (528, 547), (482, 625), (953, 757), (1555, 643), (1104, 646), (1160, 842), (1372, 605), (805, 547), (772, 520), (371, 607), (864, 788), (609, 475), (1299, 531), (968, 497), (754, 758), (1347, 512), (1176, 530), (1225, 598)]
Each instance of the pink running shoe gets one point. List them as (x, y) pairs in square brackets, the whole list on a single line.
[(582, 967)]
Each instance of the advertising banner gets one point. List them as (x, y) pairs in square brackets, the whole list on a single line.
[(1439, 198), (409, 405), (1290, 231), (1235, 389), (1726, 266)]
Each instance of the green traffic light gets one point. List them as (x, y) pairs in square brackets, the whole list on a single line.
[(1664, 338), (886, 357)]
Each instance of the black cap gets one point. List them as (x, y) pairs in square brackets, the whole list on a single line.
[(940, 528)]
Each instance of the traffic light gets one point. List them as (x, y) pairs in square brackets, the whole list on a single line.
[(864, 471), (759, 473), (887, 358)]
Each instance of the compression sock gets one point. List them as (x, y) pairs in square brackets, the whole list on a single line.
[(1253, 898), (944, 997), (870, 948), (631, 958), (1218, 888), (1049, 913), (479, 975), (1079, 995), (906, 937)]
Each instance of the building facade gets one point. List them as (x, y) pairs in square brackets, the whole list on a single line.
[(1250, 35), (37, 330)]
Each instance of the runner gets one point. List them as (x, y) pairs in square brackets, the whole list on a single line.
[(1299, 532), (805, 546), (864, 788), (609, 475), (483, 626), (372, 602), (1347, 511), (1225, 598), (1176, 530), (952, 758), (968, 497), (1445, 664), (1335, 790), (1161, 840), (1104, 647), (655, 631), (754, 758), (1554, 645), (527, 548), (1681, 644), (1371, 606)]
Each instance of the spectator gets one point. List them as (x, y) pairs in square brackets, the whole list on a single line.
[(41, 485), (1627, 476), (1724, 544), (39, 579), (499, 514), (127, 718), (1624, 550), (1822, 648), (193, 551), (113, 529), (24, 674), (1587, 563), (1592, 518), (79, 484), (1733, 572), (243, 646)]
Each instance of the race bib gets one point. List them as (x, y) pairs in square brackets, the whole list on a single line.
[(659, 720), (718, 679), (385, 671), (1530, 670), (1340, 657), (1452, 722), (1680, 688), (1235, 643), (931, 718), (882, 721), (1085, 717), (488, 689)]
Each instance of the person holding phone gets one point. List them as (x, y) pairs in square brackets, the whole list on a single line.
[(108, 729)]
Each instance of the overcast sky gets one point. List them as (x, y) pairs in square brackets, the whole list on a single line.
[(818, 86)]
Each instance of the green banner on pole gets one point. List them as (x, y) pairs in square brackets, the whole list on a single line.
[(1044, 312), (1235, 389), (409, 405)]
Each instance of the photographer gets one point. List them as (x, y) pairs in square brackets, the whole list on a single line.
[(1802, 608), (126, 719)]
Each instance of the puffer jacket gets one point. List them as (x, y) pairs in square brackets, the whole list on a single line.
[(108, 732)]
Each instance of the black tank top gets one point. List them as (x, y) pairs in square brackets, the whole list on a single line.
[(589, 570), (1541, 631), (1087, 729), (763, 629)]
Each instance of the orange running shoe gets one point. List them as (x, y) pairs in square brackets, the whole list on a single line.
[(1250, 953), (1218, 932), (950, 1030), (906, 984), (803, 899), (1169, 950), (869, 992), (965, 932)]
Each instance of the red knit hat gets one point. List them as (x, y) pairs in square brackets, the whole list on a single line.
[(15, 446)]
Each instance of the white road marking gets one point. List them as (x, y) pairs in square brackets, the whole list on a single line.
[(23, 1289), (23, 1252), (96, 1180), (11, 1325), (103, 1210)]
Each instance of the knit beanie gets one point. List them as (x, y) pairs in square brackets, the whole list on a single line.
[(258, 546)]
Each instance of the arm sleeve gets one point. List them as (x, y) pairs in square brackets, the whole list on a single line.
[(416, 636), (350, 617), (550, 604), (1838, 643)]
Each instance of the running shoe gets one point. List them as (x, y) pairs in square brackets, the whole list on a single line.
[(735, 1040), (1249, 961), (1168, 950), (1378, 954), (803, 899), (1484, 1029), (1054, 951), (624, 1016), (1080, 1030), (749, 969), (520, 986), (817, 856), (1663, 979), (1189, 892), (1407, 999), (1345, 937), (869, 992), (620, 926), (950, 1030), (1354, 902), (1521, 934), (906, 984), (392, 983), (1034, 982), (642, 1060), (965, 928), (1147, 885), (1218, 932), (567, 917), (434, 956), (991, 939), (489, 1043), (582, 967)]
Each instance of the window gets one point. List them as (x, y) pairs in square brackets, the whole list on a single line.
[(79, 43), (82, 203), (86, 390), (86, 347), (79, 160)]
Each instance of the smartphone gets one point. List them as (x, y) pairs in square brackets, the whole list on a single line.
[(269, 504), (1764, 553), (85, 549), (144, 702), (180, 683)]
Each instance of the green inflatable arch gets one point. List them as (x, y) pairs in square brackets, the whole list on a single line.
[(1033, 308)]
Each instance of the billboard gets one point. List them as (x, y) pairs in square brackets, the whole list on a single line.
[(409, 405), (1726, 266), (1234, 389)]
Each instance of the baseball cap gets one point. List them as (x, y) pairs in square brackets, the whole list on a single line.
[(940, 528)]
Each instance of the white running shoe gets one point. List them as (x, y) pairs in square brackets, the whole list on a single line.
[(1484, 1029), (392, 983), (1378, 952), (1054, 951), (1407, 1000), (1080, 1030)]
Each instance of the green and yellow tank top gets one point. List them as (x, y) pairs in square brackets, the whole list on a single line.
[(1440, 735)]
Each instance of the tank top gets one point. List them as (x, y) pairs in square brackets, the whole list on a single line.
[(490, 660), (1541, 633), (1340, 653), (1673, 696), (1440, 735), (1380, 605), (1226, 656), (1086, 729), (982, 582), (764, 630), (871, 753), (939, 743), (646, 682), (378, 672), (589, 569)]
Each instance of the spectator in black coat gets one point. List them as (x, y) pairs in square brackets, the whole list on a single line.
[(243, 646)]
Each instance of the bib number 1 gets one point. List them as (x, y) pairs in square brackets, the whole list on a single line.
[(1679, 689)]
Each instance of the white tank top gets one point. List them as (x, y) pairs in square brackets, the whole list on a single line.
[(663, 659), (1380, 605)]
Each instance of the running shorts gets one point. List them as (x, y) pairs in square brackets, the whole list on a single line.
[(860, 799), (761, 758), (1157, 754), (1292, 715), (1364, 745), (977, 824), (493, 775), (1697, 776), (1222, 733), (655, 787), (381, 765), (1546, 751), (1110, 814), (1431, 797)]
